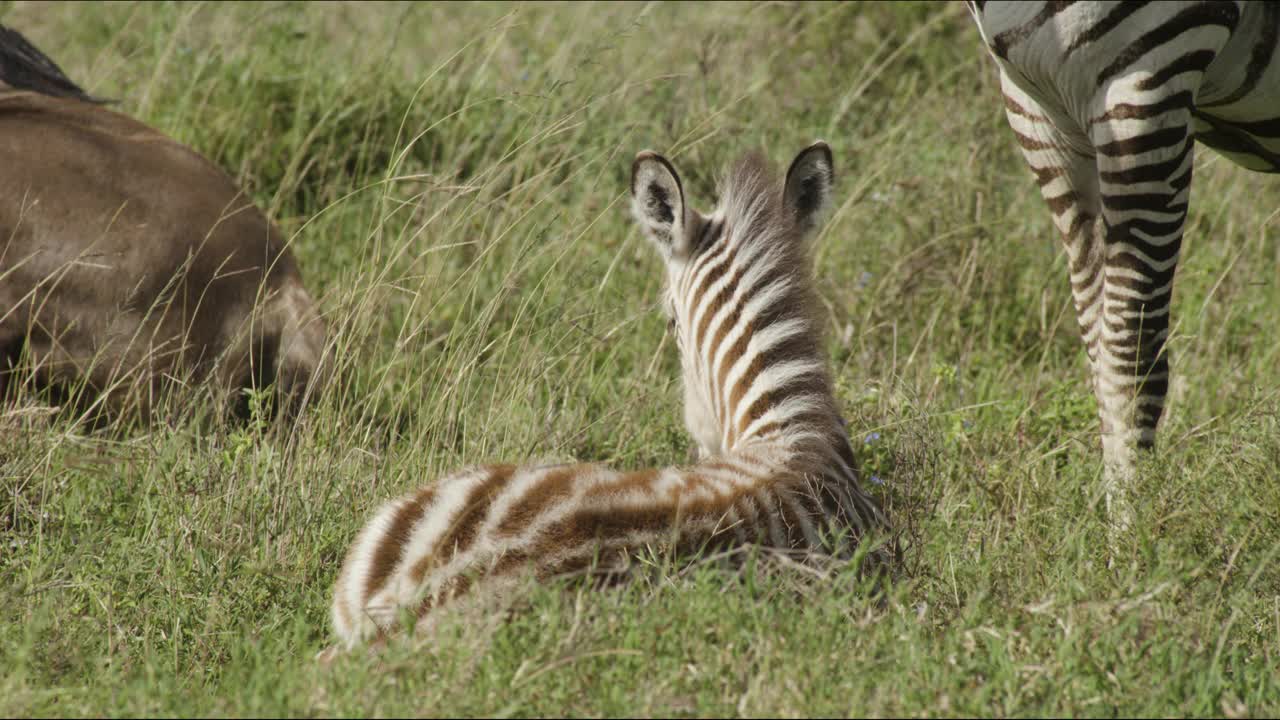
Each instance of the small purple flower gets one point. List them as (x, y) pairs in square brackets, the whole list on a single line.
[(966, 424), (877, 480), (864, 280), (872, 437)]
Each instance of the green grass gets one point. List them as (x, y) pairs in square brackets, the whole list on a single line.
[(454, 179)]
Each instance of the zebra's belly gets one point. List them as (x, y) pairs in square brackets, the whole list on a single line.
[(1254, 145), (1237, 108)]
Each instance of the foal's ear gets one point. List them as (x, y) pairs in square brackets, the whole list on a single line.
[(657, 201), (808, 188)]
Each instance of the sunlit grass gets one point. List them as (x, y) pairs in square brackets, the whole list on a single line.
[(453, 178)]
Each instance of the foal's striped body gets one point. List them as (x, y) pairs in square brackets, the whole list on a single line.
[(776, 466)]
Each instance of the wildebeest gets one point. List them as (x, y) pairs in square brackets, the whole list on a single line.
[(130, 264)]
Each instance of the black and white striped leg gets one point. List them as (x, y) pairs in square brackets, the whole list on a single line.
[(1068, 181), (1067, 172), (1144, 173)]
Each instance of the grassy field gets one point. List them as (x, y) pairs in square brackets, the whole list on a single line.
[(454, 179)]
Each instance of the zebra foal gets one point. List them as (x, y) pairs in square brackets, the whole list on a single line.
[(1106, 100), (775, 467)]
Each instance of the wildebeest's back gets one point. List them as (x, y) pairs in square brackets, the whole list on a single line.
[(126, 257)]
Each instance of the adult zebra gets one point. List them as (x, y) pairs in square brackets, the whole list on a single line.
[(1105, 100)]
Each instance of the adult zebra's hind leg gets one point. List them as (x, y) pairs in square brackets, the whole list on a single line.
[(1067, 173), (1144, 157), (1121, 210)]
